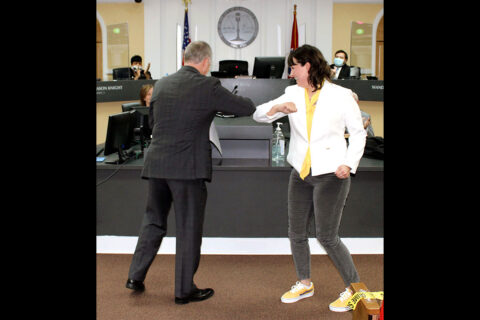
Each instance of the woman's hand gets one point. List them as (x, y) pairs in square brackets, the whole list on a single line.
[(286, 107), (343, 172)]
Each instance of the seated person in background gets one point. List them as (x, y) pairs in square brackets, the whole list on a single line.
[(367, 120), (367, 124), (339, 68), (146, 94), (145, 97), (136, 69)]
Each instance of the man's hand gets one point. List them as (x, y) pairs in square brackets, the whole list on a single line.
[(333, 71), (366, 122)]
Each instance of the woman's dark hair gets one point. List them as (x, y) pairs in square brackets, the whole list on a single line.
[(319, 68)]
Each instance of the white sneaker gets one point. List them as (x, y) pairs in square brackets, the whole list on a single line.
[(297, 292)]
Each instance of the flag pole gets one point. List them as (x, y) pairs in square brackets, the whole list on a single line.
[(294, 41), (186, 4), (186, 33)]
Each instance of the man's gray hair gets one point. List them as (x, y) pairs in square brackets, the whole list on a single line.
[(196, 51)]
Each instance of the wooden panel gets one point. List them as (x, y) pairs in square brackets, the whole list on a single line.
[(379, 35), (99, 61), (379, 51), (104, 109), (379, 62), (99, 33), (99, 52)]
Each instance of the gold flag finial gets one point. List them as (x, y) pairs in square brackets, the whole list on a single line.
[(294, 8), (186, 3)]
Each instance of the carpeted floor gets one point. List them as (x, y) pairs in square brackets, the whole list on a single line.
[(246, 287)]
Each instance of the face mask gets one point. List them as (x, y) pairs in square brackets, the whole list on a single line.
[(338, 62), (136, 67)]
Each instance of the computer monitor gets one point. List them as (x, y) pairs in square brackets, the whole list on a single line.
[(119, 133), (128, 106), (233, 67), (268, 67)]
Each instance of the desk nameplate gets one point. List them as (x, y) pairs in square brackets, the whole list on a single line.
[(259, 90)]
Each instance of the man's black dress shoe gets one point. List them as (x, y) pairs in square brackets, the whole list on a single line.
[(135, 285), (197, 295)]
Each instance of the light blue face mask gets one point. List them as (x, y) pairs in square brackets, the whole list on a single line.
[(338, 62)]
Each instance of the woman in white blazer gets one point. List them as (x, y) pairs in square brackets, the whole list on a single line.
[(322, 163)]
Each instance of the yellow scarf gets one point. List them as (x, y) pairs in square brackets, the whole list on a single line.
[(311, 104)]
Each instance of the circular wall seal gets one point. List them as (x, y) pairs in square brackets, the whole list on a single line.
[(237, 27)]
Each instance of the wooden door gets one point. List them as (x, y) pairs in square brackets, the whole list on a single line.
[(99, 52)]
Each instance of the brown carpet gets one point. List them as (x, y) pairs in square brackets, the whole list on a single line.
[(246, 287)]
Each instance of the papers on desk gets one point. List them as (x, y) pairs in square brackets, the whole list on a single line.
[(214, 137)]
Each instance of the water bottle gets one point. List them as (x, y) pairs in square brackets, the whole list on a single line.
[(278, 145)]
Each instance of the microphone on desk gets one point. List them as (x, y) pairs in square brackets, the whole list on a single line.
[(234, 91)]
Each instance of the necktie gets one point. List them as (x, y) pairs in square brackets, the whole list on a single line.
[(311, 104)]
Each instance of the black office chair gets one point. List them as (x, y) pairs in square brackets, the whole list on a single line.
[(233, 67), (121, 74)]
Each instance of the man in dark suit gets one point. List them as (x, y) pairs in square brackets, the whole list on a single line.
[(340, 69), (177, 163)]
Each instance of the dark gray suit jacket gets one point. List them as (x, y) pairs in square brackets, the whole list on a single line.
[(344, 73), (184, 105)]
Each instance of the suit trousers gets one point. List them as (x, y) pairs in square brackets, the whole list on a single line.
[(324, 196), (189, 199)]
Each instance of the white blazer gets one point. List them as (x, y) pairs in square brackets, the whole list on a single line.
[(335, 110)]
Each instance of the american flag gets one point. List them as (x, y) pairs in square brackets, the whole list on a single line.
[(186, 36), (294, 42)]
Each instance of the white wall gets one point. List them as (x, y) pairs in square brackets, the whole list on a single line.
[(161, 19)]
